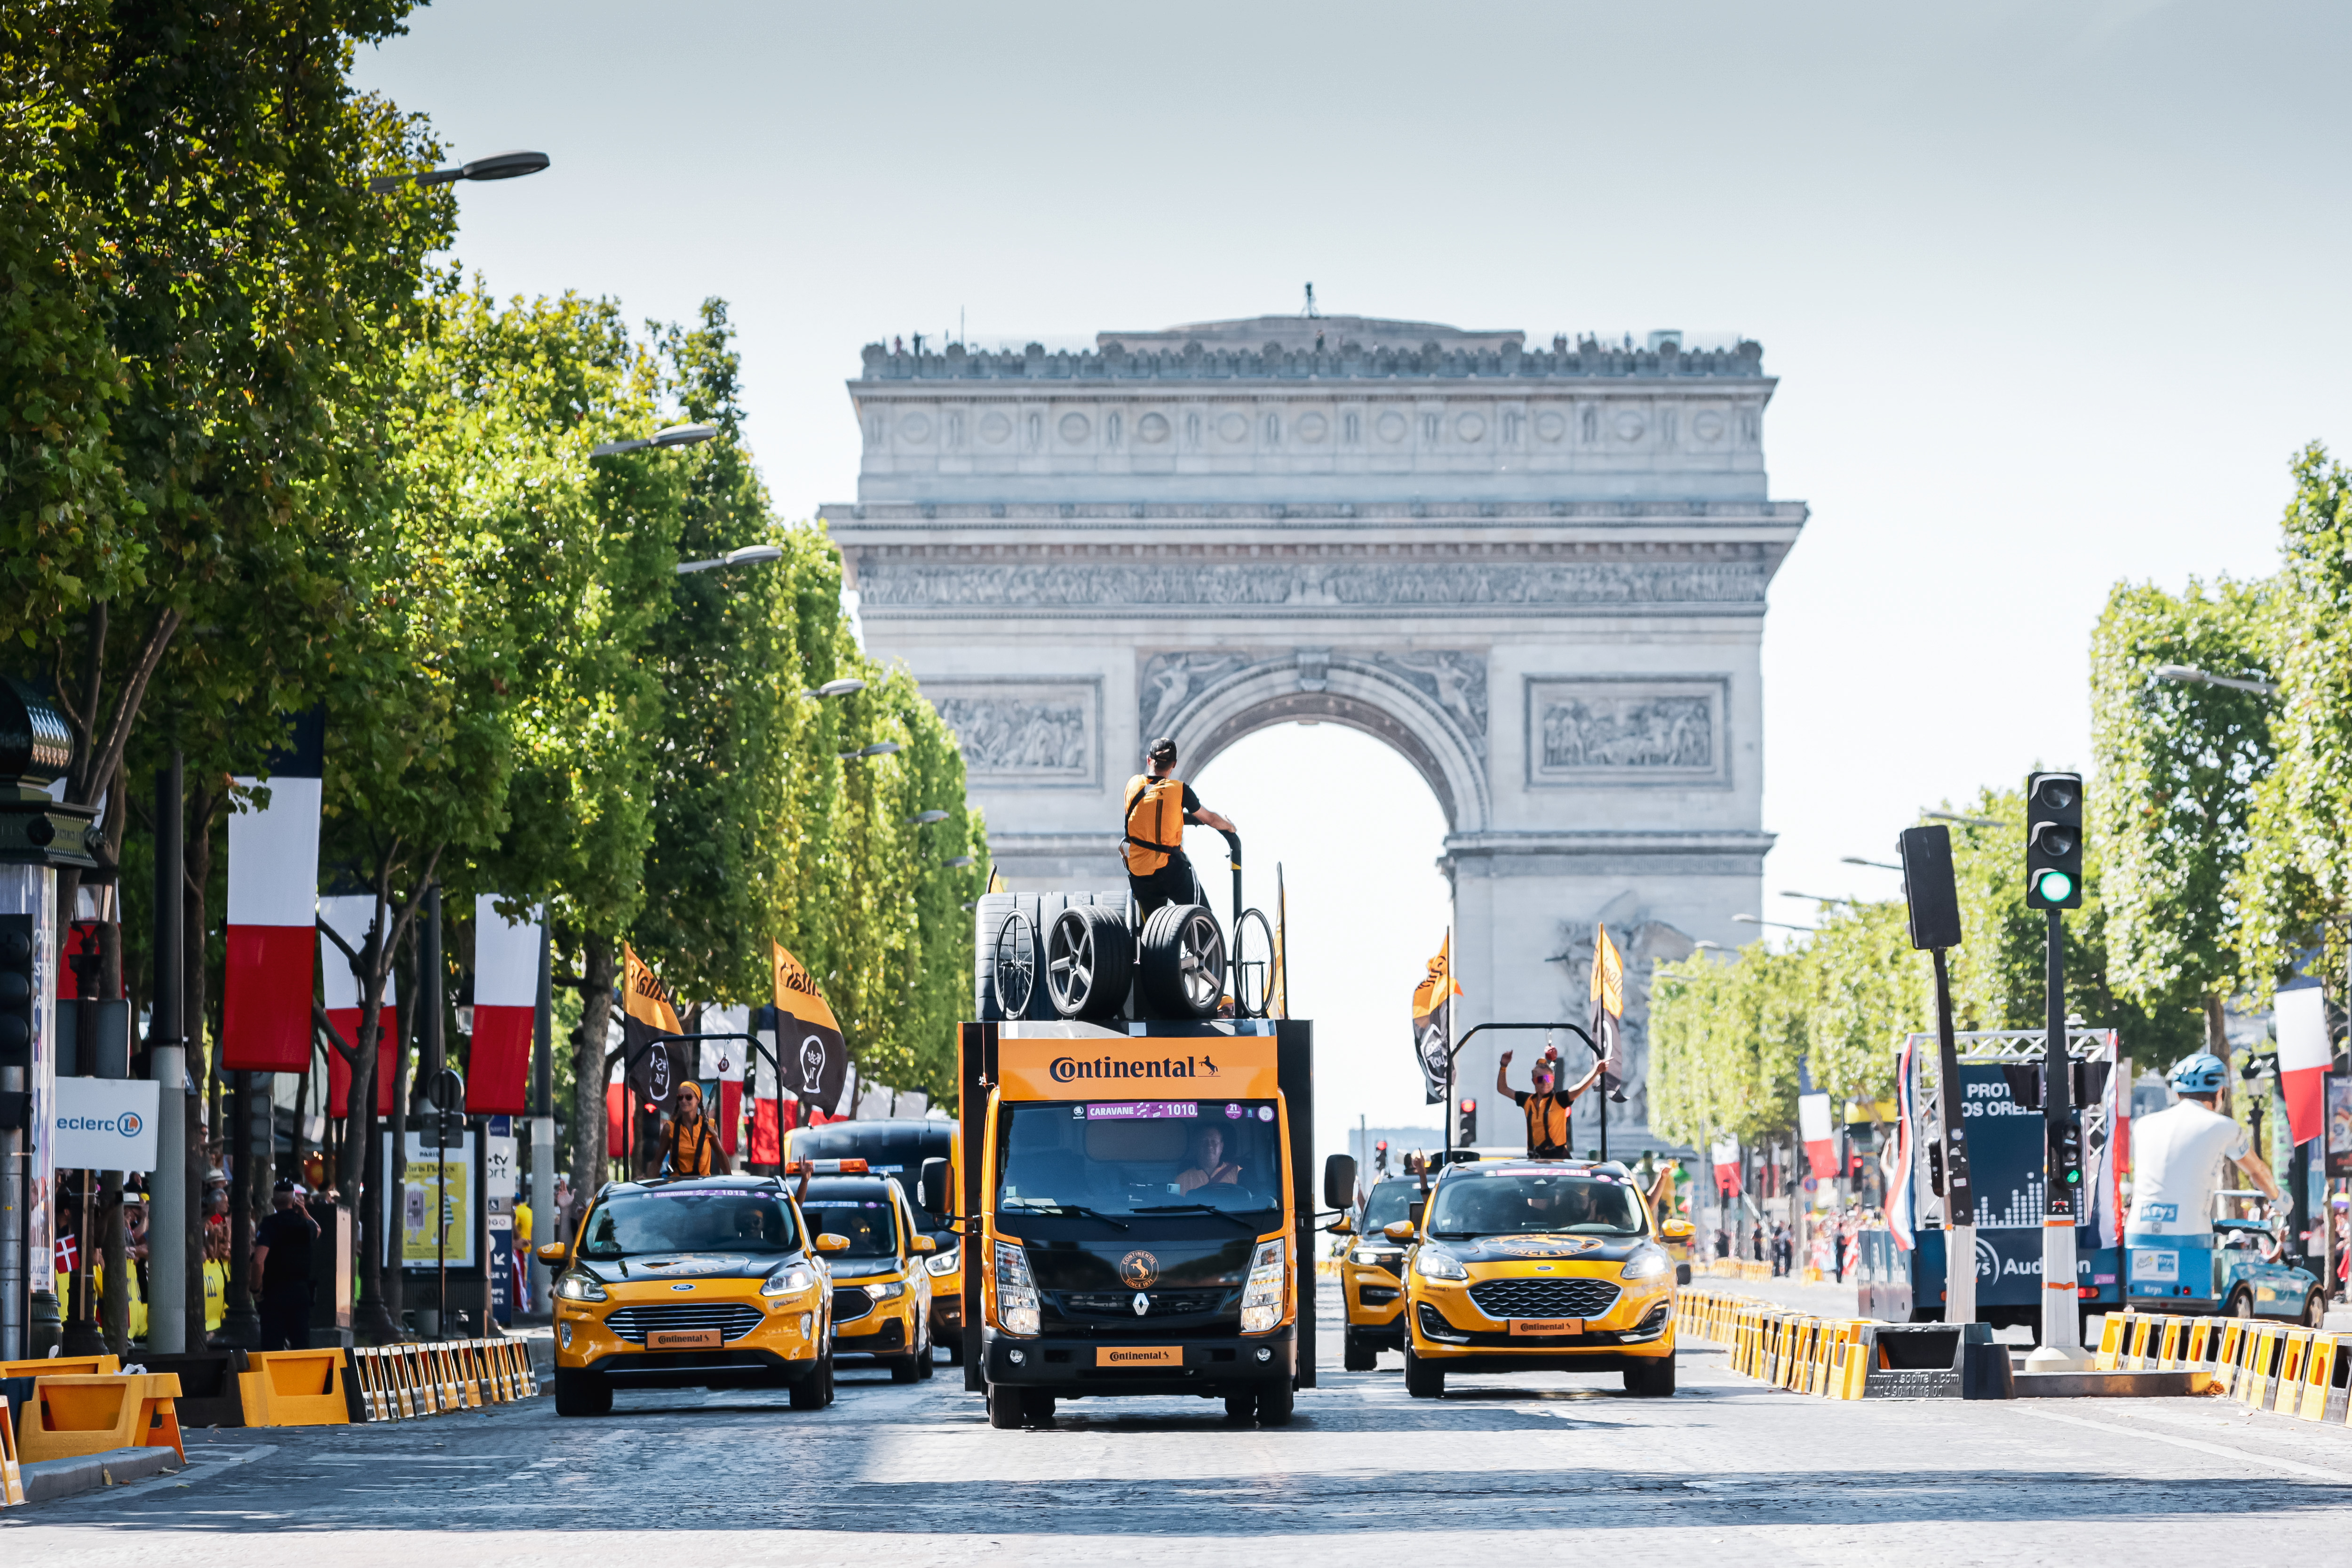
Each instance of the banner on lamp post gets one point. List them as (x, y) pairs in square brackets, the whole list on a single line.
[(106, 1124)]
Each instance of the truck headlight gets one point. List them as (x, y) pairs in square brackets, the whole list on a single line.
[(1431, 1264), (1646, 1264), (788, 1279), (886, 1290), (1016, 1293), (579, 1286), (939, 1264), (1262, 1297)]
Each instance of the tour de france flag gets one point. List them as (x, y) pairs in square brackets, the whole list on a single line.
[(1608, 1006), (657, 1063), (810, 1060), (1431, 1045)]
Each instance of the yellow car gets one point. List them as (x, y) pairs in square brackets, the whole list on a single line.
[(696, 1282), (1536, 1266), (1371, 1279), (881, 1289)]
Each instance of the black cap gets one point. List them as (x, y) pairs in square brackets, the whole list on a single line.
[(283, 1186), (1164, 750)]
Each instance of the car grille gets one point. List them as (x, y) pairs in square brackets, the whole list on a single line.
[(1121, 1304), (850, 1301), (732, 1320), (1579, 1297)]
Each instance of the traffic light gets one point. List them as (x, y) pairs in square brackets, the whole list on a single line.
[(1381, 1157), (2053, 841), (16, 995), (2070, 1153), (1467, 1135)]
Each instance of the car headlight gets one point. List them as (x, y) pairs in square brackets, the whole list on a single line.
[(788, 1279), (579, 1286), (1431, 1264), (885, 1289), (944, 1263), (1016, 1293), (1262, 1297), (1370, 1259), (1646, 1264)]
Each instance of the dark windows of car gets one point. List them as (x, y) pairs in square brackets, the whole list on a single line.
[(688, 1219), (1470, 1202), (864, 1212), (1390, 1201)]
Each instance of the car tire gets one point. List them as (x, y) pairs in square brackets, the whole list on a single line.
[(1181, 962), (955, 1348), (2241, 1304), (926, 1364), (1357, 1356), (1652, 1380), (1275, 1401), (1089, 962), (1036, 1407), (808, 1390), (903, 1368), (1241, 1407), (1003, 1408), (2314, 1308), (1421, 1380), (580, 1393)]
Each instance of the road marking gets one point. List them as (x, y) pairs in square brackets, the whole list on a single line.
[(2244, 1457)]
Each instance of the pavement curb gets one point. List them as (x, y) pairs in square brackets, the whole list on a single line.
[(46, 1480)]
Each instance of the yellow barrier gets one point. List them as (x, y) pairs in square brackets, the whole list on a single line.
[(294, 1388), (12, 1476), (403, 1383), (2319, 1374), (72, 1417), (62, 1366)]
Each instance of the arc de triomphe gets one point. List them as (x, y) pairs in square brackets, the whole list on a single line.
[(1539, 573)]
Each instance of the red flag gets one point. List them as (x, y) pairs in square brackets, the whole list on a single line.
[(506, 1007), (1814, 1127), (273, 895), (2305, 1052), (348, 917)]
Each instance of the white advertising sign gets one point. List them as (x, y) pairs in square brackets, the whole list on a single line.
[(499, 1166), (106, 1124)]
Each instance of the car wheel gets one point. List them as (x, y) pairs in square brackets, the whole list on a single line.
[(1275, 1403), (903, 1368), (1003, 1408), (808, 1389), (1036, 1407), (580, 1393), (2315, 1309), (925, 1362), (2241, 1304), (1240, 1406), (1421, 1380), (1653, 1380), (1357, 1356), (955, 1348)]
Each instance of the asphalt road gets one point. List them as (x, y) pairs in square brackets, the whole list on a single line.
[(894, 1475)]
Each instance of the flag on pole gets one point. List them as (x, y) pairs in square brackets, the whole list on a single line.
[(1608, 1008), (506, 1005), (1277, 991), (273, 898), (1726, 1155), (1430, 1035), (349, 918), (1814, 1129), (657, 1063), (1902, 1215), (813, 1058), (995, 880), (2305, 1052)]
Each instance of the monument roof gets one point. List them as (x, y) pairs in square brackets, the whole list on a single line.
[(1309, 331)]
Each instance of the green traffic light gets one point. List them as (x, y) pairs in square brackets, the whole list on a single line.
[(2055, 887)]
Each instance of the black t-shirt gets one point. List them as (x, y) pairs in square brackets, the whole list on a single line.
[(288, 1232)]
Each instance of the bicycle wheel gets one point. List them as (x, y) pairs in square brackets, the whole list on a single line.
[(1253, 964), (1016, 965)]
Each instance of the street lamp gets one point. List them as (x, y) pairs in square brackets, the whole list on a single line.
[(846, 686), (878, 749), (1877, 865), (497, 166), (750, 555), (1965, 821), (1822, 899), (670, 436), (2189, 674), (1757, 920), (925, 818), (959, 863)]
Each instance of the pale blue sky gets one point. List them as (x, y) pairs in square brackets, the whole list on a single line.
[(2054, 290)]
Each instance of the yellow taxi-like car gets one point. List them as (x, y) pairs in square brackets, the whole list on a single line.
[(694, 1282), (881, 1289), (1372, 1279), (1536, 1266)]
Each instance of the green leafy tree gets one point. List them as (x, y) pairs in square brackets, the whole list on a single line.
[(1726, 1036)]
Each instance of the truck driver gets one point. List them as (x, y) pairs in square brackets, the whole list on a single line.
[(1547, 1108), (1158, 808)]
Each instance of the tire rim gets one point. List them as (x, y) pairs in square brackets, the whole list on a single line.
[(1070, 966), (1201, 961), (1014, 968)]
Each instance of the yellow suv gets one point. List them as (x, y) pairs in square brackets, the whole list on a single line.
[(881, 1290), (696, 1282), (1536, 1266), (1371, 1279)]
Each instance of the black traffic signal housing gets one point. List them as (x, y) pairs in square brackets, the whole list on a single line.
[(1466, 1132), (1381, 1157), (2053, 841), (17, 995), (1928, 888), (2068, 1140)]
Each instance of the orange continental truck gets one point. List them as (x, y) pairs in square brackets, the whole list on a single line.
[(1139, 1212)]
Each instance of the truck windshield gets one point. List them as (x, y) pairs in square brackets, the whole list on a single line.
[(688, 1219), (1115, 1159), (1469, 1202)]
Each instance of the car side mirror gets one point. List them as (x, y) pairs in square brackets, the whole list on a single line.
[(931, 1185), (829, 1242), (1338, 1181), (1677, 1230), (923, 1244), (552, 1253), (1401, 1231), (1343, 1225)]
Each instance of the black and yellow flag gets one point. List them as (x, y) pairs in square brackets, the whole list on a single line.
[(1432, 1041), (812, 1061), (657, 1063)]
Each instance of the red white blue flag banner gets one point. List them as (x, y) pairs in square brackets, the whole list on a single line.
[(506, 1007), (273, 897)]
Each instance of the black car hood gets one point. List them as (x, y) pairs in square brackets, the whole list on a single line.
[(1542, 1249), (683, 1266)]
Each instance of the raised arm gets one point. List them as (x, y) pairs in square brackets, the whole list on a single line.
[(1502, 1072), (1575, 1090)]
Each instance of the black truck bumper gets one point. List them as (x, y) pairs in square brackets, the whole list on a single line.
[(1074, 1367)]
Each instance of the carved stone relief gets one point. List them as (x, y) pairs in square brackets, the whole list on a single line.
[(1173, 680), (1618, 730), (1455, 680), (886, 584), (1018, 732)]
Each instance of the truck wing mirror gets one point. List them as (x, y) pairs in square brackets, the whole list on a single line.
[(923, 1244), (829, 1242), (931, 1187), (1338, 1181), (1343, 1225), (1401, 1231), (553, 1254)]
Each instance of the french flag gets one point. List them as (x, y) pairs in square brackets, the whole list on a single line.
[(273, 897), (1813, 1129), (506, 1005), (2305, 1052), (1727, 1166), (348, 917)]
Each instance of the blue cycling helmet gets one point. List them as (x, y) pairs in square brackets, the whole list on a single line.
[(2203, 1073)]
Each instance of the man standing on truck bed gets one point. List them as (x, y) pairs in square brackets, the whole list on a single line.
[(1547, 1109), (1158, 808)]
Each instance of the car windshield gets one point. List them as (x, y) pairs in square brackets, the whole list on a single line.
[(688, 1219), (1470, 1202), (1390, 1201), (865, 1214), (1121, 1158)]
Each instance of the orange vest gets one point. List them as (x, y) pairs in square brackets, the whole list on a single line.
[(694, 1148), (1547, 1122), (1155, 823)]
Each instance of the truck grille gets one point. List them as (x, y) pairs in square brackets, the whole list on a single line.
[(1121, 1304), (732, 1320), (850, 1301), (1581, 1297)]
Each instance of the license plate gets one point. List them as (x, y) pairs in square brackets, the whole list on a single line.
[(1138, 1355), (682, 1340), (1541, 1327)]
